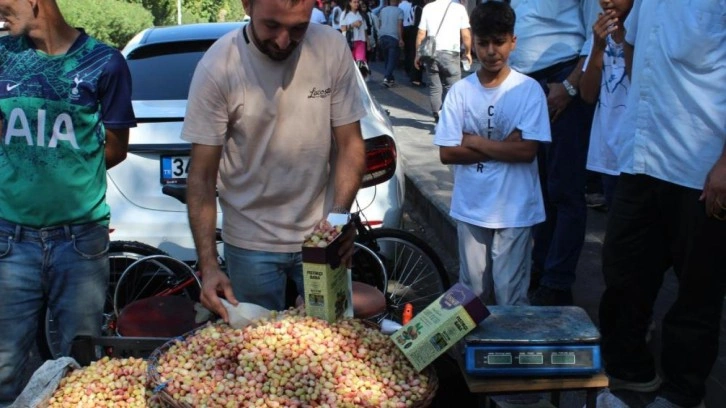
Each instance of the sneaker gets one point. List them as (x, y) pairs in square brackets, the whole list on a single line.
[(546, 296), (647, 386), (661, 402), (389, 83)]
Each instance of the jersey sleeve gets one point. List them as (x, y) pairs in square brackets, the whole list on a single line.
[(115, 94), (534, 122)]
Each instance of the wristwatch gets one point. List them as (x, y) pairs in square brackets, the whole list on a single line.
[(340, 210), (571, 90)]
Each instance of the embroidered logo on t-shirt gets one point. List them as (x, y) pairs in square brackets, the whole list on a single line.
[(319, 93)]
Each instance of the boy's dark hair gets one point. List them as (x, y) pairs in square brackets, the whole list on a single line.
[(492, 18)]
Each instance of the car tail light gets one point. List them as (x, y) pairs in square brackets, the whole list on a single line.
[(380, 160)]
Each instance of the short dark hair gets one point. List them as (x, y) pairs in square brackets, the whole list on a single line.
[(492, 18)]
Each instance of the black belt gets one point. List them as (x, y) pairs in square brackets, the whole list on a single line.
[(553, 69)]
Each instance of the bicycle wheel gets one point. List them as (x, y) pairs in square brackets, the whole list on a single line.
[(415, 272), (368, 267), (155, 275), (121, 254)]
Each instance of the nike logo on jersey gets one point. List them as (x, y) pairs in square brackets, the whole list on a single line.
[(9, 87)]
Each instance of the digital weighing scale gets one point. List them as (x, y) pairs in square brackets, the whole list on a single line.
[(533, 341)]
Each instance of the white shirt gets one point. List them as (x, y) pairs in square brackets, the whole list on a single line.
[(407, 9), (675, 126), (359, 33), (318, 16), (455, 20), (605, 145), (549, 32), (495, 194)]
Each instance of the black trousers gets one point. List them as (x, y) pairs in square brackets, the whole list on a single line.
[(409, 52), (652, 226)]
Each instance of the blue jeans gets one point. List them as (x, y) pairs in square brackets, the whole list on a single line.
[(65, 268), (558, 241), (261, 277), (391, 51)]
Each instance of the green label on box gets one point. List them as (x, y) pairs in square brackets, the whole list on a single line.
[(431, 332), (326, 291)]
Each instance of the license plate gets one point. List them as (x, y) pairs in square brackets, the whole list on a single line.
[(174, 169)]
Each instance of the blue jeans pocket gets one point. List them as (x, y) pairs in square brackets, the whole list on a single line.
[(91, 242), (6, 244)]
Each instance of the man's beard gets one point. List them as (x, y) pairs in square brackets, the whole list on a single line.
[(271, 49)]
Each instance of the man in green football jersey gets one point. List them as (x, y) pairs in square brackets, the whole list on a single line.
[(66, 111)]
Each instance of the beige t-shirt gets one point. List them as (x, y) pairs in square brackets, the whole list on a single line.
[(274, 119)]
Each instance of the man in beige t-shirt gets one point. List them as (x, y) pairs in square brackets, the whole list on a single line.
[(273, 118)]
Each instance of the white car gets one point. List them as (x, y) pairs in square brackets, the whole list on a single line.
[(162, 61)]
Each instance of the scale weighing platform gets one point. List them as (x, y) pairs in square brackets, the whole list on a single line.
[(533, 341)]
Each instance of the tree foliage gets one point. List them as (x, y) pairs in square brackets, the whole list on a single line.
[(114, 22), (117, 21), (193, 11)]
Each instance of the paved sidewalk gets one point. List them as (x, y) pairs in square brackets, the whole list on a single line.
[(428, 191)]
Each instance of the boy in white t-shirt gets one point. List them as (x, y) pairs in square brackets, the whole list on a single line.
[(605, 82), (490, 128)]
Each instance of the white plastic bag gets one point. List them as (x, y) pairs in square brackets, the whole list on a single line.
[(44, 382)]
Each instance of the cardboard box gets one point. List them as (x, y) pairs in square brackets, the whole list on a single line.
[(328, 292), (440, 326)]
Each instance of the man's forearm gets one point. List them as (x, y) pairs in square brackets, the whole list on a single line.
[(202, 209), (576, 74), (419, 38), (350, 167), (466, 40)]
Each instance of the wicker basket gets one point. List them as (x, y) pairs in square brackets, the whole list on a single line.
[(162, 397)]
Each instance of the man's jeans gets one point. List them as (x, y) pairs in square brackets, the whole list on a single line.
[(65, 268), (559, 240), (443, 73), (261, 277), (391, 51)]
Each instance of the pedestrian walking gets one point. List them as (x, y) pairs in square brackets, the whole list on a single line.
[(354, 27), (448, 23), (391, 39)]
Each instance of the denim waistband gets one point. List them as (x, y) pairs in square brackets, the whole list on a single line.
[(545, 73), (25, 233)]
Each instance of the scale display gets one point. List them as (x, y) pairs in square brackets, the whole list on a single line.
[(534, 360), (533, 340)]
